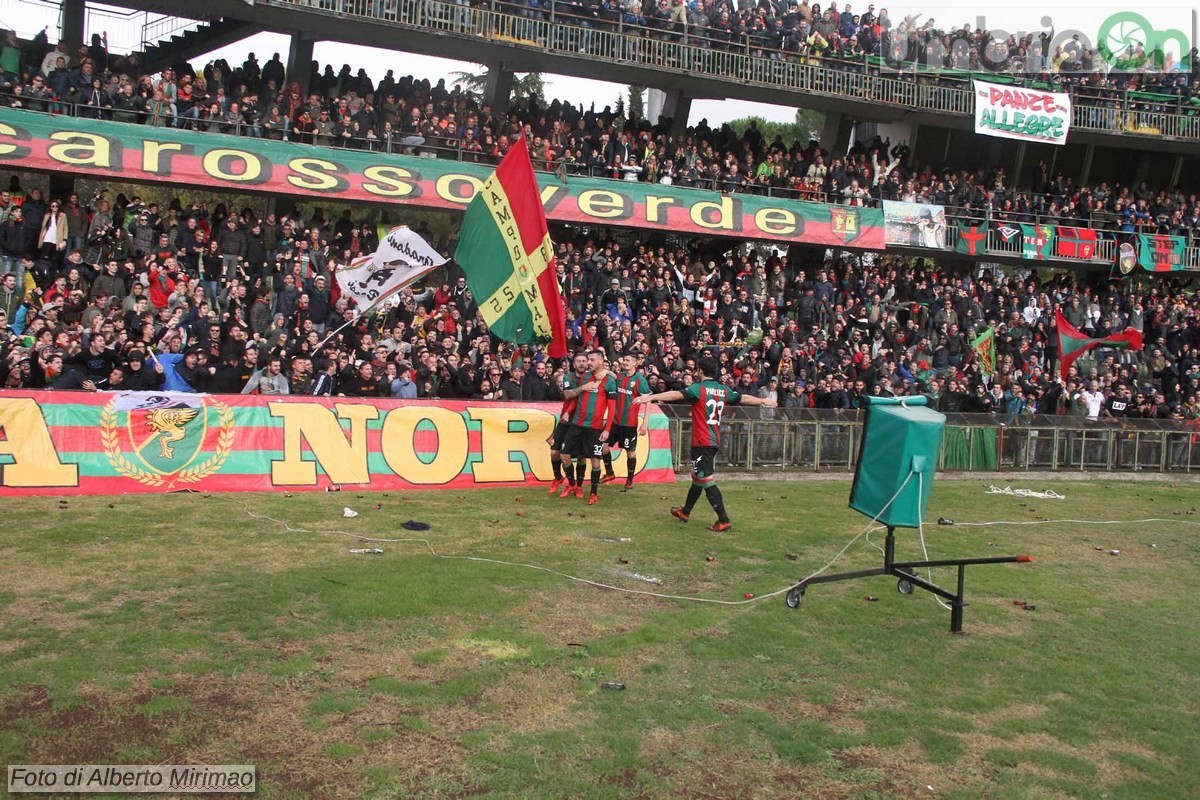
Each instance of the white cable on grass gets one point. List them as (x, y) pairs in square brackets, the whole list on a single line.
[(924, 551), (586, 581), (1048, 494), (1072, 521)]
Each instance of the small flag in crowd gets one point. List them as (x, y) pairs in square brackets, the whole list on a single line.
[(984, 348), (505, 251), (401, 258), (1072, 344), (972, 238)]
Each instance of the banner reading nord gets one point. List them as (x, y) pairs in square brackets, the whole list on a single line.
[(66, 442), (136, 153)]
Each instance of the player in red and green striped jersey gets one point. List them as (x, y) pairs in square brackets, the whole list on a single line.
[(630, 385), (591, 425), (572, 380), (708, 398)]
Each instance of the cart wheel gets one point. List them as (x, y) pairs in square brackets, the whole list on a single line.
[(794, 598), (904, 586)]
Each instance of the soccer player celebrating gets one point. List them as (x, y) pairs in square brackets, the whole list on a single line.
[(591, 425), (571, 383), (708, 398), (630, 385)]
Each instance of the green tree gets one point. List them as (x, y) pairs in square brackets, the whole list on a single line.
[(637, 103), (524, 85), (807, 125)]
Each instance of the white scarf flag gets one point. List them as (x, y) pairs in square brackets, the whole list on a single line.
[(401, 258)]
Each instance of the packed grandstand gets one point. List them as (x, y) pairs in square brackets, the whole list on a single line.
[(108, 292)]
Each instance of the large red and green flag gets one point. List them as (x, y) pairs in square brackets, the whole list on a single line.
[(984, 348), (1076, 243), (1037, 242), (505, 251), (972, 238), (1072, 344), (1158, 253)]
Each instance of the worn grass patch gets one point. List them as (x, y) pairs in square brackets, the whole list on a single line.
[(194, 629)]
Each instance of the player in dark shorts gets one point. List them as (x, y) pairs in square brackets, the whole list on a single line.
[(591, 425), (708, 398), (629, 422), (571, 383)]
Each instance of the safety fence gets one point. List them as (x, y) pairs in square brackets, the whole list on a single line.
[(813, 440)]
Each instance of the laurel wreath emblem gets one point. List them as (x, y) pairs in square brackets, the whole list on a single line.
[(112, 449)]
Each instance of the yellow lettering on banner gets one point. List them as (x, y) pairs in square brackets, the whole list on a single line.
[(343, 461), (444, 187), (501, 446), (652, 204), (81, 149), (152, 155), (388, 181), (601, 204), (551, 195), (32, 458), (252, 172), (313, 174), (398, 442), (778, 221), (724, 220), (8, 149), (526, 268)]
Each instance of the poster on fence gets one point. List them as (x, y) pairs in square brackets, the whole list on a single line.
[(146, 442), (1028, 115), (914, 224)]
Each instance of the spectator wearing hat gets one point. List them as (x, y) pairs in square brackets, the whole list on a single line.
[(140, 376)]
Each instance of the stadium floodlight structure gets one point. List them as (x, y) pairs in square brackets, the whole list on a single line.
[(901, 445)]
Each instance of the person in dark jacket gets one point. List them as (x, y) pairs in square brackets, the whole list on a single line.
[(141, 377)]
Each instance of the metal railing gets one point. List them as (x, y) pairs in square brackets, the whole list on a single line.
[(157, 28), (1106, 110), (829, 441)]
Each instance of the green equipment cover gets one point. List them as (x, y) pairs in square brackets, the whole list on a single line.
[(900, 435)]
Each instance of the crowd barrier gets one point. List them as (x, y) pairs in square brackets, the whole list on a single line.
[(772, 441), (146, 442)]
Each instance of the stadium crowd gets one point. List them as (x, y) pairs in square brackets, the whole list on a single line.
[(108, 294), (411, 115)]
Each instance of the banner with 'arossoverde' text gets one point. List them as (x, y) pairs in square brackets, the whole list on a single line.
[(141, 153)]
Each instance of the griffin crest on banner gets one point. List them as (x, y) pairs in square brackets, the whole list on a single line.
[(165, 435)]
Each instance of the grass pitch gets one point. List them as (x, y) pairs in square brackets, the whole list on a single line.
[(181, 629)]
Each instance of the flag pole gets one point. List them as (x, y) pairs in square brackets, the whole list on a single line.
[(364, 311)]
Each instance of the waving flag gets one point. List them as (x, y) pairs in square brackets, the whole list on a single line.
[(1072, 344), (984, 348), (505, 251), (401, 258)]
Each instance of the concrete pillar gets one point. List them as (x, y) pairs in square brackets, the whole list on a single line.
[(299, 62), (672, 105), (73, 13), (498, 90), (835, 134), (1089, 154)]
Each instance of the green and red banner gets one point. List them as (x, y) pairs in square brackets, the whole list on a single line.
[(1079, 243), (1158, 253), (1072, 343), (505, 252), (140, 153), (1037, 242), (129, 442), (972, 238)]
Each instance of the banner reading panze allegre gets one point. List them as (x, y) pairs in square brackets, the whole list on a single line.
[(136, 153), (115, 443), (1030, 115)]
